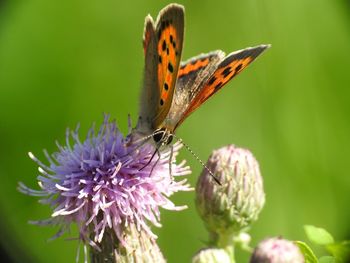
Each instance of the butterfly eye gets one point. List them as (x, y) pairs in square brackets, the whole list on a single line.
[(158, 135), (169, 139), (163, 136)]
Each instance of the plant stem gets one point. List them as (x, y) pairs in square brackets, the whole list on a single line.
[(225, 241)]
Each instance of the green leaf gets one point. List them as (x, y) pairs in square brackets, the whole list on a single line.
[(318, 236), (307, 252), (327, 259), (341, 251)]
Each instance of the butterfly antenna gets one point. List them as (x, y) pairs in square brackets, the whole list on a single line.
[(142, 139), (145, 138), (198, 159), (141, 142)]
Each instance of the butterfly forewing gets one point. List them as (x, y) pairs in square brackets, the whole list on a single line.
[(228, 68), (162, 47), (169, 31), (196, 71), (150, 91), (191, 76)]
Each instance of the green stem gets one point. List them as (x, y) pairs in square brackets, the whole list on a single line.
[(231, 251), (225, 241)]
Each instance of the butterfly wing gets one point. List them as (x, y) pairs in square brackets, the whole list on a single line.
[(192, 75), (162, 47), (224, 71), (150, 92)]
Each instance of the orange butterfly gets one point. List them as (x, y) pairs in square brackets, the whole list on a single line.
[(172, 91)]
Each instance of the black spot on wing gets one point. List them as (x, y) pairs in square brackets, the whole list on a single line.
[(170, 67), (238, 68), (212, 80), (161, 102), (166, 86), (226, 72), (218, 85), (192, 73), (163, 45)]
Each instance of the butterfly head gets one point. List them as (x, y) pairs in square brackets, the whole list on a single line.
[(162, 136)]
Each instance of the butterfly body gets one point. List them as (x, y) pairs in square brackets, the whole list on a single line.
[(173, 90)]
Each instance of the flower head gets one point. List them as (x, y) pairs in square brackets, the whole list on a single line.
[(107, 182), (277, 250), (232, 206)]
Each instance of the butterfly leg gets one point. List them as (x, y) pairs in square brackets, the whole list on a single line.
[(159, 156), (150, 160)]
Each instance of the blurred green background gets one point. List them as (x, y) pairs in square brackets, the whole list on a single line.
[(64, 62)]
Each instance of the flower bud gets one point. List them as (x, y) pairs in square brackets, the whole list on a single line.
[(277, 250), (231, 207), (211, 255)]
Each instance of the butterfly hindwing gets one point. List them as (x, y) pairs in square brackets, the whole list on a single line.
[(162, 47), (228, 68)]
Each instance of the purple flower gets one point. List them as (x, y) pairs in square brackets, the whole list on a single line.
[(104, 183), (277, 250)]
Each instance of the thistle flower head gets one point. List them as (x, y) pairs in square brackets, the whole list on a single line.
[(107, 182), (277, 250), (232, 206)]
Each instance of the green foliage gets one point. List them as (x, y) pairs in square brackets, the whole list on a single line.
[(309, 255), (327, 259), (318, 236), (340, 251)]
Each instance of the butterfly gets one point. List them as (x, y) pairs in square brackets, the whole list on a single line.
[(172, 90)]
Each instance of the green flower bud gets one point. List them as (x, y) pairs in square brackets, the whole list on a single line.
[(231, 207), (212, 255), (277, 250)]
